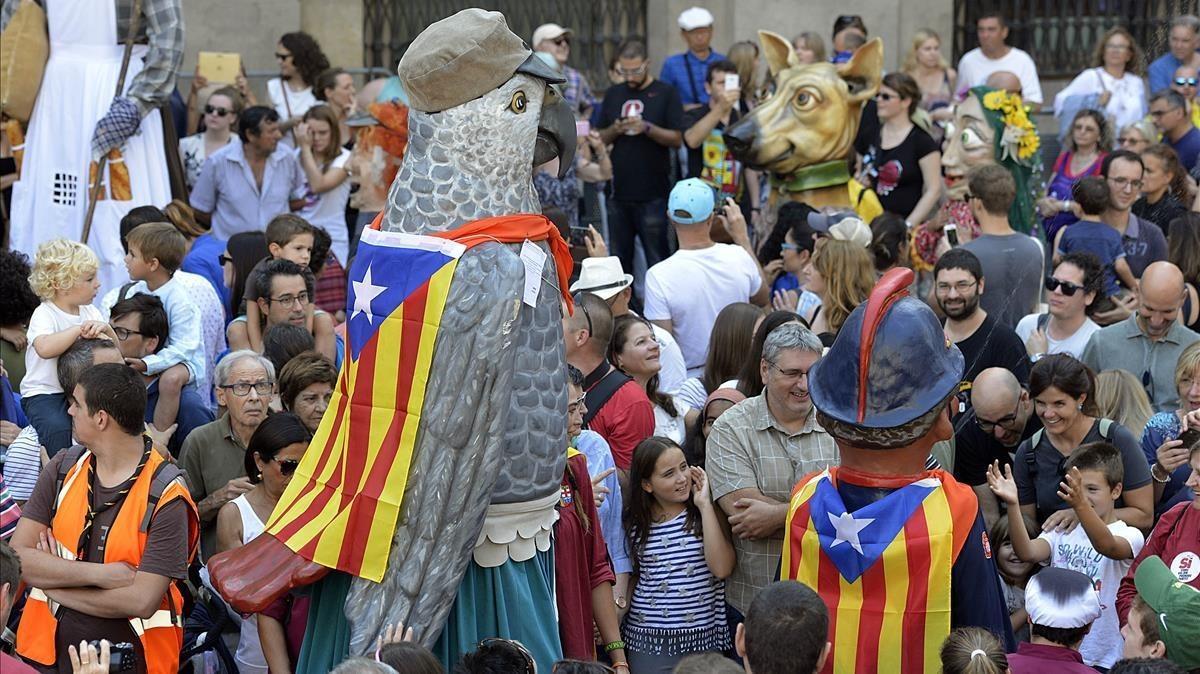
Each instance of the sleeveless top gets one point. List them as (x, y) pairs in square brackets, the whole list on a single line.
[(1061, 182), (250, 659)]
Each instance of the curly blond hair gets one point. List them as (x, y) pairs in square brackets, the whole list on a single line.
[(59, 264)]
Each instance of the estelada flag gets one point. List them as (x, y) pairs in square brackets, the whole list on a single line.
[(883, 570), (341, 506), (348, 486)]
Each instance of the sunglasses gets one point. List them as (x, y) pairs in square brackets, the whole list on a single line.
[(884, 96), (288, 466), (1069, 289), (282, 57), (577, 298), (560, 41), (219, 112), (1185, 81), (224, 259)]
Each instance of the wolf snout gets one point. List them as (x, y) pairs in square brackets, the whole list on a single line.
[(739, 138)]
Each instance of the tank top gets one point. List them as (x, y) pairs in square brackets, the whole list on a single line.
[(250, 659)]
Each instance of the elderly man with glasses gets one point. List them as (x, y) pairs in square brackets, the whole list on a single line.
[(758, 450), (1001, 416), (214, 454)]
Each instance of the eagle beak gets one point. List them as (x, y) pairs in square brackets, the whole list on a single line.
[(556, 133)]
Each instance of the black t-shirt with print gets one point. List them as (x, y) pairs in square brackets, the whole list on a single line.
[(641, 167), (896, 172)]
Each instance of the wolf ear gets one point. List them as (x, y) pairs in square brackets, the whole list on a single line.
[(779, 52), (863, 72)]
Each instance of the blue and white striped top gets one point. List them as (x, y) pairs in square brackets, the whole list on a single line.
[(678, 606)]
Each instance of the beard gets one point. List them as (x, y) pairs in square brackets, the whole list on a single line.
[(961, 311)]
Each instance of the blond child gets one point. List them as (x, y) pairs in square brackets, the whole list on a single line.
[(289, 237), (64, 277), (156, 250), (1102, 547)]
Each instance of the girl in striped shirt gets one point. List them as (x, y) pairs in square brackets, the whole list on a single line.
[(681, 553)]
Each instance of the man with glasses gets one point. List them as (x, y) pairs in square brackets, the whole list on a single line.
[(1184, 41), (1149, 342), (1169, 111), (243, 185), (1185, 84), (688, 71), (214, 455), (1000, 418), (140, 322), (958, 284), (757, 451), (641, 119), (1144, 242)]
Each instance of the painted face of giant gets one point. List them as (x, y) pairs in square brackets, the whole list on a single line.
[(972, 143)]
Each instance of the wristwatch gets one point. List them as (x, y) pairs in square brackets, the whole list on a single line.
[(1036, 357)]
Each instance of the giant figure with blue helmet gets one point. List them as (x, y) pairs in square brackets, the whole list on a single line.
[(898, 553)]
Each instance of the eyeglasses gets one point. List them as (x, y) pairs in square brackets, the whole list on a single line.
[(560, 41), (224, 259), (1125, 140), (124, 333), (510, 643), (968, 196), (287, 466), (573, 406), (290, 300), (1185, 81), (788, 374), (632, 71), (884, 96), (1069, 289), (242, 389), (282, 57), (789, 246), (1125, 183), (219, 112), (578, 299), (989, 426), (962, 287)]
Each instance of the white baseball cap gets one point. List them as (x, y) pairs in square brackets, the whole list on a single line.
[(695, 17), (548, 31)]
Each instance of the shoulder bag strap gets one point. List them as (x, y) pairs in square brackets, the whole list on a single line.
[(604, 389), (691, 79)]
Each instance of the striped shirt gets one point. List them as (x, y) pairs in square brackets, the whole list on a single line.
[(678, 606), (23, 463), (10, 512)]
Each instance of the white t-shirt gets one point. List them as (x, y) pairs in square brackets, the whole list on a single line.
[(41, 374), (692, 286), (1073, 345), (667, 426), (672, 371), (974, 69), (1103, 644), (1126, 104), (297, 103), (328, 210)]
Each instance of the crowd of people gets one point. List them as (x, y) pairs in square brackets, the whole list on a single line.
[(151, 418)]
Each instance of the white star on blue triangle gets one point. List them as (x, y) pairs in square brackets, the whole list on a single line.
[(365, 292)]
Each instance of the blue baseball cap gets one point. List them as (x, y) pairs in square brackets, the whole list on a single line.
[(691, 202)]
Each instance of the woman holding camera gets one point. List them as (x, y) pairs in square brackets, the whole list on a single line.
[(1166, 444)]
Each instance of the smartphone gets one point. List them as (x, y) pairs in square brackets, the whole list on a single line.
[(952, 234), (582, 128), (732, 82), (579, 236), (1190, 438)]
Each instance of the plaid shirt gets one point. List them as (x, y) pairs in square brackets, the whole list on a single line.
[(748, 449), (162, 28), (577, 92)]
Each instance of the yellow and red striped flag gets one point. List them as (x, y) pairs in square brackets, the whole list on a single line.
[(883, 570), (341, 507)]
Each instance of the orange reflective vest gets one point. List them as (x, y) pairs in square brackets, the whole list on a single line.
[(162, 633)]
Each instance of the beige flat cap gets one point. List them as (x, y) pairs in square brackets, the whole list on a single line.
[(462, 57)]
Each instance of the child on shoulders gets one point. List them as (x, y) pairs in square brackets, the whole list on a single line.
[(1090, 235)]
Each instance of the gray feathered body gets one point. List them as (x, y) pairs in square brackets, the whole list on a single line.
[(493, 429)]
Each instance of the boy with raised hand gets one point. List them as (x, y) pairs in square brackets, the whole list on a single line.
[(1102, 547), (156, 249)]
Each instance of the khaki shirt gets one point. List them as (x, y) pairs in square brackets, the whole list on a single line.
[(748, 449), (212, 455)]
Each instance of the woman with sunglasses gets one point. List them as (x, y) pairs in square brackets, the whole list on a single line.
[(272, 455), (220, 114), (301, 61), (1071, 293)]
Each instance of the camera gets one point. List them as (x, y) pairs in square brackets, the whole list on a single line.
[(122, 657)]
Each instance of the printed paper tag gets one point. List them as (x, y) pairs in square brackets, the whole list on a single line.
[(534, 259)]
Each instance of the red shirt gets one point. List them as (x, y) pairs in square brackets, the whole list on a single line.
[(580, 562), (626, 419), (1175, 539), (1039, 658)]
